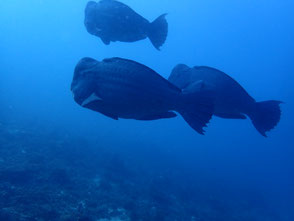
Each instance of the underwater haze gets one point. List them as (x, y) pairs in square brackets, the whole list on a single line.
[(59, 161)]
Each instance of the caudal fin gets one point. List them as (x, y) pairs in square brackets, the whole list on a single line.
[(197, 109), (266, 116), (158, 31)]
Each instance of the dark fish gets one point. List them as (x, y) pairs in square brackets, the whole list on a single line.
[(113, 21), (120, 88), (231, 100)]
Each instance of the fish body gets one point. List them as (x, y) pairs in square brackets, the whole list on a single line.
[(113, 21), (121, 88), (231, 99), (230, 96)]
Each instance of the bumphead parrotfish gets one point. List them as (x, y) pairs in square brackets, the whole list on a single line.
[(120, 88), (231, 99), (113, 21)]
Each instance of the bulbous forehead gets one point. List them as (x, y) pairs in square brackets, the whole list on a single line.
[(91, 5), (91, 9), (179, 70), (181, 67), (84, 66)]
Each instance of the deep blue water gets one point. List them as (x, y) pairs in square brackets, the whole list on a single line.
[(231, 173)]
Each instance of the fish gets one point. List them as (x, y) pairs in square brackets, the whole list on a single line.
[(232, 101), (122, 88), (111, 21)]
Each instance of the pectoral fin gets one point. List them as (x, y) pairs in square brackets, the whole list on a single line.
[(158, 116), (198, 86), (105, 40), (194, 87), (99, 106), (91, 98)]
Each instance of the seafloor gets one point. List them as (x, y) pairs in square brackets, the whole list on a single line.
[(46, 175)]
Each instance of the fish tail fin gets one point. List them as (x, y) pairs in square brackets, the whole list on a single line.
[(158, 31), (197, 108), (266, 116)]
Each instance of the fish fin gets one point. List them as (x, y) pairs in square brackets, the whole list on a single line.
[(230, 115), (91, 98), (99, 106), (266, 116), (105, 40), (102, 1), (109, 115), (197, 108), (194, 87), (159, 116), (158, 31)]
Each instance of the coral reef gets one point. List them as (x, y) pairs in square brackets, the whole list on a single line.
[(50, 176)]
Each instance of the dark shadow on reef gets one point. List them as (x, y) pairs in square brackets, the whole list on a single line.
[(50, 176)]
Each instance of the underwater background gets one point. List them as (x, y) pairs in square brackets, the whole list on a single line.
[(59, 161)]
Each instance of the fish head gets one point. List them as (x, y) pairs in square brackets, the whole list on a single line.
[(83, 83), (180, 76), (94, 15)]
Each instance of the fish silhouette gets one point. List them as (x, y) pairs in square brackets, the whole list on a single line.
[(113, 21), (231, 99), (121, 88)]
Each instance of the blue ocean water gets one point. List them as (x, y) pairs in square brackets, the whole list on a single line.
[(59, 161)]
